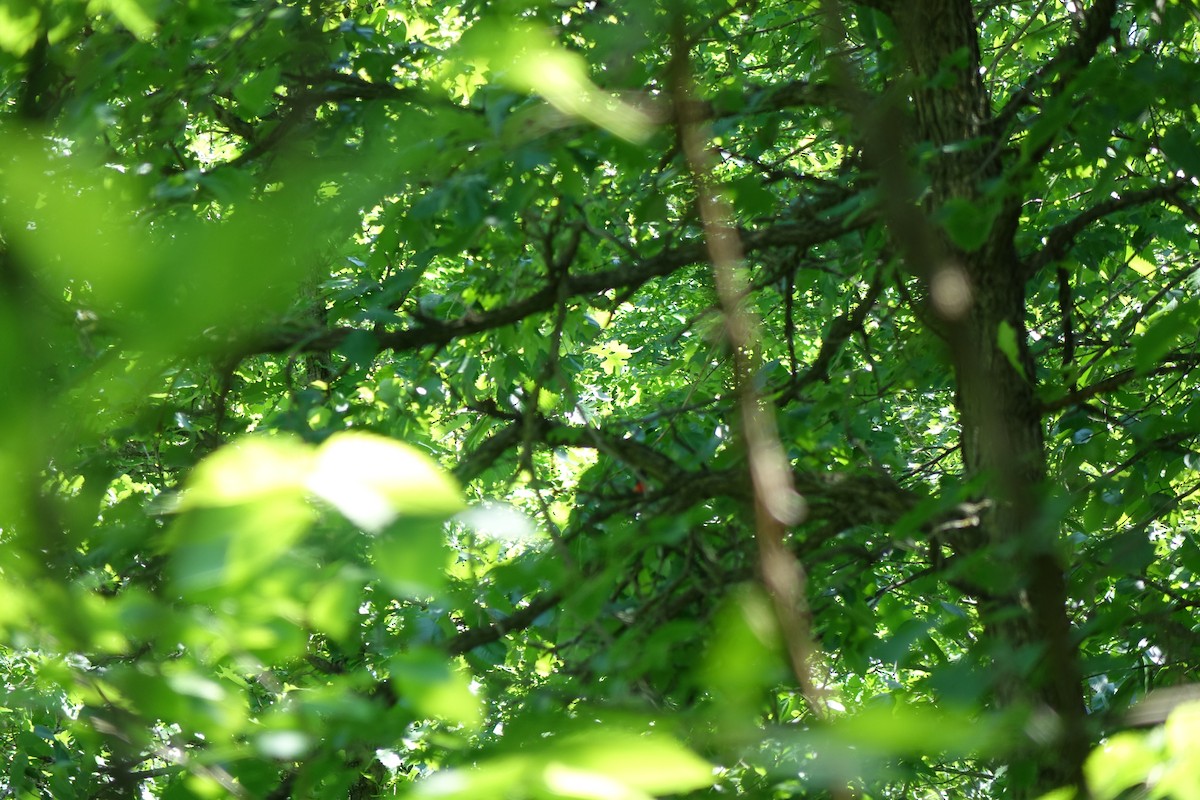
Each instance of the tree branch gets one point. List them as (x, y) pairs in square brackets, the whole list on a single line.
[(1097, 25), (1061, 238), (628, 276), (498, 629), (831, 344), (1112, 382)]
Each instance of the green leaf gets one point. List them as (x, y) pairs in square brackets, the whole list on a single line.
[(564, 781), (1065, 793), (651, 762), (1180, 146), (1183, 730), (525, 57), (1181, 778), (227, 547), (913, 730), (499, 777), (18, 25), (1163, 333), (743, 658), (283, 745), (248, 469), (1006, 340), (604, 763), (411, 556), (1142, 267), (136, 15), (256, 91), (333, 608), (967, 223), (371, 480), (436, 688), (1125, 760)]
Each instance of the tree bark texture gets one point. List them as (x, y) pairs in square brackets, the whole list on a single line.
[(1019, 574)]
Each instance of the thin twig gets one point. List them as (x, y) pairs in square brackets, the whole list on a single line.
[(777, 505)]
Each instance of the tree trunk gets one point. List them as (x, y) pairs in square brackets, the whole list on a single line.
[(1023, 594)]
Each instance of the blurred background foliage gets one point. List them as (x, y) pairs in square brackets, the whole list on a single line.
[(368, 428)]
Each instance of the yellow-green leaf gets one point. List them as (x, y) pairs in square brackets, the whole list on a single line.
[(1006, 340), (526, 58), (650, 762), (18, 26), (133, 14), (1164, 332), (248, 469), (411, 556), (371, 480), (1123, 761), (1142, 267)]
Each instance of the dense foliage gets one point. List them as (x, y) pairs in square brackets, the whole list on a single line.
[(540, 398)]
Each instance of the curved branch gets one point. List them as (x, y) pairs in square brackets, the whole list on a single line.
[(1096, 26), (839, 333), (1061, 238), (519, 620), (1113, 382), (627, 276)]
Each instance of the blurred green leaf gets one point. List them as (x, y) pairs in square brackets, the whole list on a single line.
[(226, 547), (257, 90), (604, 763), (1006, 340), (136, 15), (372, 480), (18, 25), (251, 468), (967, 223), (651, 762), (436, 688), (411, 556), (525, 57), (743, 658), (1124, 760)]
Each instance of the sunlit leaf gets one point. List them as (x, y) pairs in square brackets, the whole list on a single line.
[(654, 763), (605, 763), (502, 777), (564, 781), (1006, 340), (1125, 760), (252, 468), (525, 57), (283, 745), (1183, 729), (1162, 335), (1142, 267), (371, 480), (18, 25), (136, 15)]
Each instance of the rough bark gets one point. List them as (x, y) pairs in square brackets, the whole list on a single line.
[(1022, 586)]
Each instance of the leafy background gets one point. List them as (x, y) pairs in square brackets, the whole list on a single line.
[(370, 426)]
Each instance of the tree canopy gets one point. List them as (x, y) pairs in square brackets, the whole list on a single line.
[(555, 399)]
